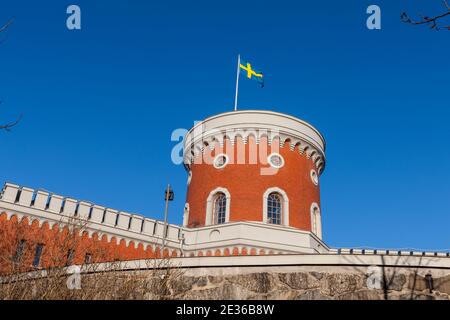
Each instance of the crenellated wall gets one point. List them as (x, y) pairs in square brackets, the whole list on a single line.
[(43, 207)]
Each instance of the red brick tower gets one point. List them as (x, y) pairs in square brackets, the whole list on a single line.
[(257, 166)]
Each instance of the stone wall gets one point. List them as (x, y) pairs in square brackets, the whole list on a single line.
[(299, 277), (306, 283)]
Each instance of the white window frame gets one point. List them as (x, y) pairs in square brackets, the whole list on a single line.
[(209, 218), (284, 206), (186, 215), (227, 159), (317, 216), (270, 162), (314, 177), (189, 177)]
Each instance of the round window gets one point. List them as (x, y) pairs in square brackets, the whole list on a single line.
[(314, 177), (220, 161), (276, 160)]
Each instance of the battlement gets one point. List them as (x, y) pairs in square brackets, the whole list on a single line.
[(53, 208), (389, 252)]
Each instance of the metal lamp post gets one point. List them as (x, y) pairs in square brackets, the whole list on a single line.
[(168, 195)]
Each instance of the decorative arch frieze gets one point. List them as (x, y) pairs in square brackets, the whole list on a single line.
[(217, 139)]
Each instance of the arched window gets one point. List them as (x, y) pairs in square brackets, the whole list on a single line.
[(316, 221), (274, 208), (186, 215), (219, 208)]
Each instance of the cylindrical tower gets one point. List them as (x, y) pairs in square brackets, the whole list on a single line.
[(254, 165)]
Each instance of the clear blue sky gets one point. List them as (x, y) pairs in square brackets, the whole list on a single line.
[(100, 104)]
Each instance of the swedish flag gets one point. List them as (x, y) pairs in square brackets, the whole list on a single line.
[(250, 73)]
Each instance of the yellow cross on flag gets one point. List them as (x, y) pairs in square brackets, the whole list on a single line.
[(251, 73)]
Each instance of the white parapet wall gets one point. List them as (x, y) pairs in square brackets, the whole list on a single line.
[(257, 235)]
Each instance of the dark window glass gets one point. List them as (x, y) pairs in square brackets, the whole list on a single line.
[(274, 208), (70, 256), (37, 255), (88, 258), (220, 208)]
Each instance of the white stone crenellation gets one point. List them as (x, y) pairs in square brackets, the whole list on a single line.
[(55, 209)]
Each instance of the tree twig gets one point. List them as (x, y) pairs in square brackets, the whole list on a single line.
[(8, 126), (5, 26), (432, 21)]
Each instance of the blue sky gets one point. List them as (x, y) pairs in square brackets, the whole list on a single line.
[(100, 103)]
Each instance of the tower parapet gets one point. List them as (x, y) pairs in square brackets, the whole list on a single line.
[(257, 124)]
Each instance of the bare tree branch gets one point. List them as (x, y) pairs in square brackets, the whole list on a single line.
[(4, 27), (433, 22), (8, 126)]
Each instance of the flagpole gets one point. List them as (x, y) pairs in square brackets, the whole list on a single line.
[(237, 83)]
